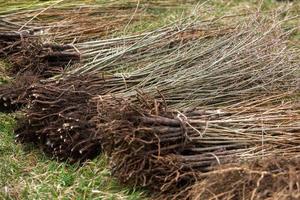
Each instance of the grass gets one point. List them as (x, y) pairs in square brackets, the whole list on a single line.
[(27, 173), (3, 77)]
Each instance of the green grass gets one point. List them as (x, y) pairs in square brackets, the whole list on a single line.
[(3, 77), (27, 173)]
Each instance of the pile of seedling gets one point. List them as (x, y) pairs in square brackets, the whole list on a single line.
[(198, 109)]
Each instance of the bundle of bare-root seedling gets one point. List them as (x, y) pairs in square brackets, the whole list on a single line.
[(58, 117), (168, 151)]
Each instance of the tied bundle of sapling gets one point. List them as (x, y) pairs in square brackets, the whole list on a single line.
[(167, 151), (58, 116)]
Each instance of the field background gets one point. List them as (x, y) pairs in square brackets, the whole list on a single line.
[(27, 173)]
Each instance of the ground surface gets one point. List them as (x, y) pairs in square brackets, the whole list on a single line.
[(26, 173)]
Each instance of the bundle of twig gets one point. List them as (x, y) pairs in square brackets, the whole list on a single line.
[(59, 115), (164, 150), (143, 150)]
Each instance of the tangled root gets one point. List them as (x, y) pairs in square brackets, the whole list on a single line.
[(30, 60), (14, 95), (59, 118), (276, 178), (26, 52), (143, 141)]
